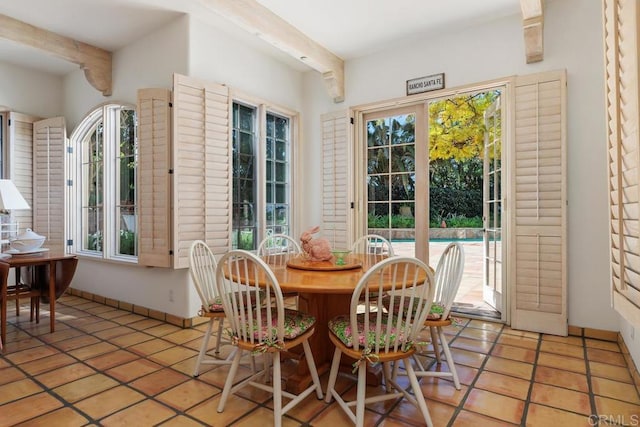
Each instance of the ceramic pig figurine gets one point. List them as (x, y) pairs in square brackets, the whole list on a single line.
[(316, 249)]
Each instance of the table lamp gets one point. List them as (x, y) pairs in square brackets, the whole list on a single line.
[(10, 199)]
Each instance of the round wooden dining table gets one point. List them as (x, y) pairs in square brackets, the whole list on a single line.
[(324, 291)]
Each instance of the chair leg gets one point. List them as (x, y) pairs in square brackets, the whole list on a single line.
[(3, 322), (362, 390), (229, 382), (312, 368), (204, 346), (449, 357), (417, 392), (434, 342), (333, 374), (277, 390), (219, 338)]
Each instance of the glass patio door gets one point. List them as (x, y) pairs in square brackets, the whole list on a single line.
[(492, 289), (396, 171)]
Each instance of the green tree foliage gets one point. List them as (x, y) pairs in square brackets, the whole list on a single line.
[(456, 151)]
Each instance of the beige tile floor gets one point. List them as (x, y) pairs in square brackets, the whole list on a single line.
[(105, 366)]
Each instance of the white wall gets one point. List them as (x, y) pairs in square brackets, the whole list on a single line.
[(217, 57), (187, 47), (30, 91), (573, 41)]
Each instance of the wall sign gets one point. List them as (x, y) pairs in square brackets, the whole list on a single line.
[(425, 84)]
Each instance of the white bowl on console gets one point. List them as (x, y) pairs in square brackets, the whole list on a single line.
[(27, 241)]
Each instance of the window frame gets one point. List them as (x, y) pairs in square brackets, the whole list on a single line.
[(109, 113), (262, 108)]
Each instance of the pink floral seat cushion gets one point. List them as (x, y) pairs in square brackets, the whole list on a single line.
[(340, 326), (296, 323), (215, 305), (435, 313)]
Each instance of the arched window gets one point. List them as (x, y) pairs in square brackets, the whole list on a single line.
[(104, 188)]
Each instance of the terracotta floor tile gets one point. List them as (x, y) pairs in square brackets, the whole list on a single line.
[(479, 334), (495, 406), (235, 408), (188, 395), (503, 384), (472, 419), (615, 390), (18, 390), (66, 417), (150, 347), (30, 354), (514, 353), (159, 381), (111, 359), (128, 318), (612, 372), (77, 342), (602, 345), (84, 387), (92, 350), (471, 345), (518, 341), (561, 398), (145, 413), (561, 378), (65, 374), (102, 404), (562, 362), (576, 341), (563, 349), (22, 410), (627, 412), (10, 374), (468, 358), (110, 333), (604, 356), (172, 355), (133, 370), (47, 363), (540, 415), (105, 366), (509, 367)]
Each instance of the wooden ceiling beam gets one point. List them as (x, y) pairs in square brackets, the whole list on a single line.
[(532, 23), (262, 22), (95, 62)]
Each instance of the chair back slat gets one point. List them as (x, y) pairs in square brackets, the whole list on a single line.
[(384, 332), (202, 269), (448, 276), (251, 297), (277, 249), (373, 244)]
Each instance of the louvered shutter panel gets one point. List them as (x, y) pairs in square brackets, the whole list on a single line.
[(336, 179), (154, 180), (621, 34), (21, 164), (202, 162), (49, 195), (538, 207)]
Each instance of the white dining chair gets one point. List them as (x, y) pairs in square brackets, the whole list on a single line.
[(373, 244), (259, 324), (370, 335)]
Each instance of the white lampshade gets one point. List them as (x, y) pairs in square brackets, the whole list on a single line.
[(10, 197)]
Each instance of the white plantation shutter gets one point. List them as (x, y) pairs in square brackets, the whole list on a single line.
[(621, 34), (49, 191), (538, 204), (336, 179), (21, 164), (202, 162), (154, 180)]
